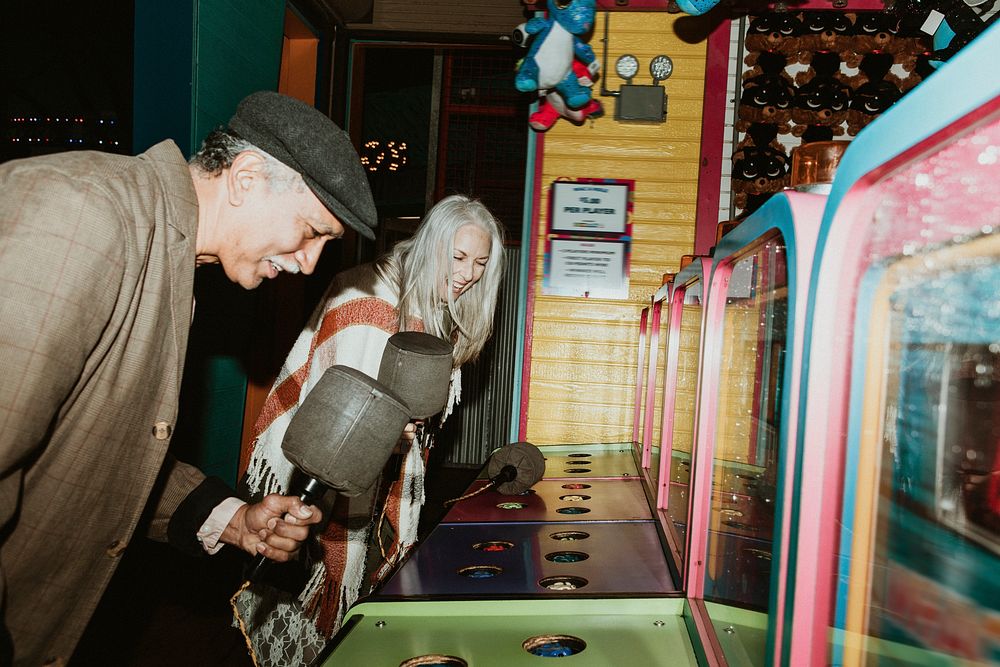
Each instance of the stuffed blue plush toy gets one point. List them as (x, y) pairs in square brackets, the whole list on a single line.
[(555, 42), (696, 7)]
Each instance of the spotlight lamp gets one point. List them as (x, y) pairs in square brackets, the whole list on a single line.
[(660, 68), (637, 103), (627, 67)]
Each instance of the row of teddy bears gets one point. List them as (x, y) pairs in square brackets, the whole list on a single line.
[(819, 101)]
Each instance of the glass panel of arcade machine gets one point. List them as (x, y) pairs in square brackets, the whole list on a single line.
[(685, 393), (924, 587), (744, 467), (653, 421)]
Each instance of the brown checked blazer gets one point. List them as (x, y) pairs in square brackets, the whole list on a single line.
[(97, 260)]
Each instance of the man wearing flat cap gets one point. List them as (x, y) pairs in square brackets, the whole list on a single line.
[(97, 260)]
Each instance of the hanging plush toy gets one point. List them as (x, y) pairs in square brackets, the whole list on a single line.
[(696, 7), (552, 107), (772, 32), (876, 89), (555, 44), (767, 93), (760, 167), (820, 103)]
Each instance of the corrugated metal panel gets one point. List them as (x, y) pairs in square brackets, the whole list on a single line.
[(583, 357), (487, 385), (472, 17)]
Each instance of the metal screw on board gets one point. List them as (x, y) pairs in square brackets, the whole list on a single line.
[(729, 630), (659, 624), (379, 624)]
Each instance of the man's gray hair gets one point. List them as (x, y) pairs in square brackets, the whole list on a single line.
[(221, 147)]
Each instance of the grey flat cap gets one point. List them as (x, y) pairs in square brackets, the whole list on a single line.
[(310, 143)]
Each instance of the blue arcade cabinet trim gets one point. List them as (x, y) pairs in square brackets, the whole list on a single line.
[(866, 296)]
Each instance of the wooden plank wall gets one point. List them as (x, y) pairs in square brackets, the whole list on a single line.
[(584, 351), (736, 419), (687, 379)]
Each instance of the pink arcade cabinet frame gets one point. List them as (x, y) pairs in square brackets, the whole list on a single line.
[(786, 225), (899, 161), (653, 364), (671, 508), (640, 378)]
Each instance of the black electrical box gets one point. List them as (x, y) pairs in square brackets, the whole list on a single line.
[(641, 103)]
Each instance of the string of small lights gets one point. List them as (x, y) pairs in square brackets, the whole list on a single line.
[(377, 157), (74, 131)]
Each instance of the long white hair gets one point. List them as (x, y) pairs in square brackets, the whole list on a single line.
[(420, 265)]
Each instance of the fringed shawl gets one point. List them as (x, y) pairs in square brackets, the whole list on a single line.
[(350, 327)]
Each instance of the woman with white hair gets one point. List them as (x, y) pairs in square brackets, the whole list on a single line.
[(442, 281)]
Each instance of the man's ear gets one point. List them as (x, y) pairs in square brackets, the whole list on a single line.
[(246, 172)]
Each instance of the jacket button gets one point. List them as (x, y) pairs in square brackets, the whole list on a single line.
[(162, 430), (116, 548)]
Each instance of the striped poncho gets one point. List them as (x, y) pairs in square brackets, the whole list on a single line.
[(350, 327)]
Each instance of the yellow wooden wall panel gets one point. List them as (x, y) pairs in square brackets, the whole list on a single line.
[(656, 233), (651, 255), (631, 149), (662, 156), (555, 432), (735, 423), (561, 408), (569, 398), (687, 378), (658, 354), (585, 352), (571, 311), (578, 332), (618, 366)]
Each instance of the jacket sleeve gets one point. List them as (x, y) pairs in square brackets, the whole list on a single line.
[(182, 501)]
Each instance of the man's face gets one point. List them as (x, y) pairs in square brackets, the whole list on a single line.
[(278, 226)]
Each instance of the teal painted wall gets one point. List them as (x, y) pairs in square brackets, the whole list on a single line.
[(161, 98), (194, 61)]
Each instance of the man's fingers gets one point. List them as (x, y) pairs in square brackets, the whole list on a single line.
[(279, 548), (291, 509)]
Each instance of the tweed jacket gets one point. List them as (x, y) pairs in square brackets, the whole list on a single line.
[(97, 260)]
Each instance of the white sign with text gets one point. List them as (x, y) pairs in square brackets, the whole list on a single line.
[(588, 269), (589, 208)]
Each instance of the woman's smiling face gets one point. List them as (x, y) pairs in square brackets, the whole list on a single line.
[(469, 259)]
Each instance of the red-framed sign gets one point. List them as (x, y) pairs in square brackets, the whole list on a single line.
[(588, 238)]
